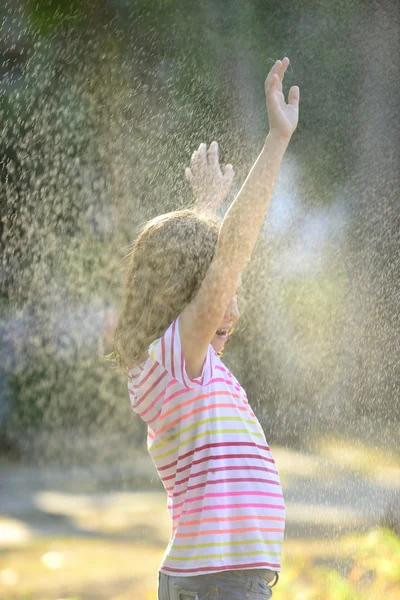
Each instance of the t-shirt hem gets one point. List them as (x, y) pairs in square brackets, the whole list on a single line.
[(220, 570)]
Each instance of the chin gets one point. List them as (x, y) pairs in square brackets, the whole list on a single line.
[(217, 345)]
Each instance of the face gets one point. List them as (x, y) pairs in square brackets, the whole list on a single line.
[(230, 318)]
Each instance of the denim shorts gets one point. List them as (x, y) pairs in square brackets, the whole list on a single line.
[(250, 584)]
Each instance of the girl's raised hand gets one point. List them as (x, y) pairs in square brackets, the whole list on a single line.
[(283, 118), (209, 185)]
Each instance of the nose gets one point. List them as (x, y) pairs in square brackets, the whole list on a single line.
[(232, 312)]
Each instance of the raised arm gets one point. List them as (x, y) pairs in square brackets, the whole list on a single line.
[(241, 225)]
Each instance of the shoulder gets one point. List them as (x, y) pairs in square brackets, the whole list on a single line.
[(168, 352)]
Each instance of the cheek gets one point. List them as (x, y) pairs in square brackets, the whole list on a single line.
[(217, 344)]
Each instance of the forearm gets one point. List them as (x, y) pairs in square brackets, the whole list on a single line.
[(243, 220)]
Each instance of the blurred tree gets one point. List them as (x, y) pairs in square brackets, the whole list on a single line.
[(101, 108)]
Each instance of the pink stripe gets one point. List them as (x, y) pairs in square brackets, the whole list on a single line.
[(230, 480), (156, 399), (174, 395), (220, 380), (155, 417), (223, 456), (158, 413), (220, 444), (155, 384), (219, 506), (215, 470), (169, 466), (259, 565), (171, 383), (226, 494), (242, 493), (195, 533), (213, 394), (153, 368), (213, 457)]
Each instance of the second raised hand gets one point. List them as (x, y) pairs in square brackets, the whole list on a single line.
[(209, 185)]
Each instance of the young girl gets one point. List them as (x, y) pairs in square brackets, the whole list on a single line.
[(178, 310)]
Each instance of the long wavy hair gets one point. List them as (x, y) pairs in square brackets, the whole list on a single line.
[(165, 268)]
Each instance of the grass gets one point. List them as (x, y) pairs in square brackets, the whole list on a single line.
[(65, 568), (355, 567), (368, 568)]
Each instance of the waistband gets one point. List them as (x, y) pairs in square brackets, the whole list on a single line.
[(267, 574)]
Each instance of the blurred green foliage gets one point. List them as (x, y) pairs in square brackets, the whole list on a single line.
[(47, 15), (373, 572), (100, 109)]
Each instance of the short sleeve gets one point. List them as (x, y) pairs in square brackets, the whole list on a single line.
[(167, 351), (164, 366)]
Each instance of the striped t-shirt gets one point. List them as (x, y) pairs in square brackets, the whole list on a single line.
[(224, 494)]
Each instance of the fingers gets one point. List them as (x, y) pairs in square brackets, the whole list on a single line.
[(202, 153), (279, 70), (273, 85), (229, 174), (199, 159), (284, 66), (212, 156), (294, 96), (205, 177), (188, 175), (203, 158)]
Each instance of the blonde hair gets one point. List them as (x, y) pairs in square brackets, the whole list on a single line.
[(166, 266)]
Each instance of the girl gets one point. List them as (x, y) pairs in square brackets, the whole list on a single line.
[(179, 308)]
